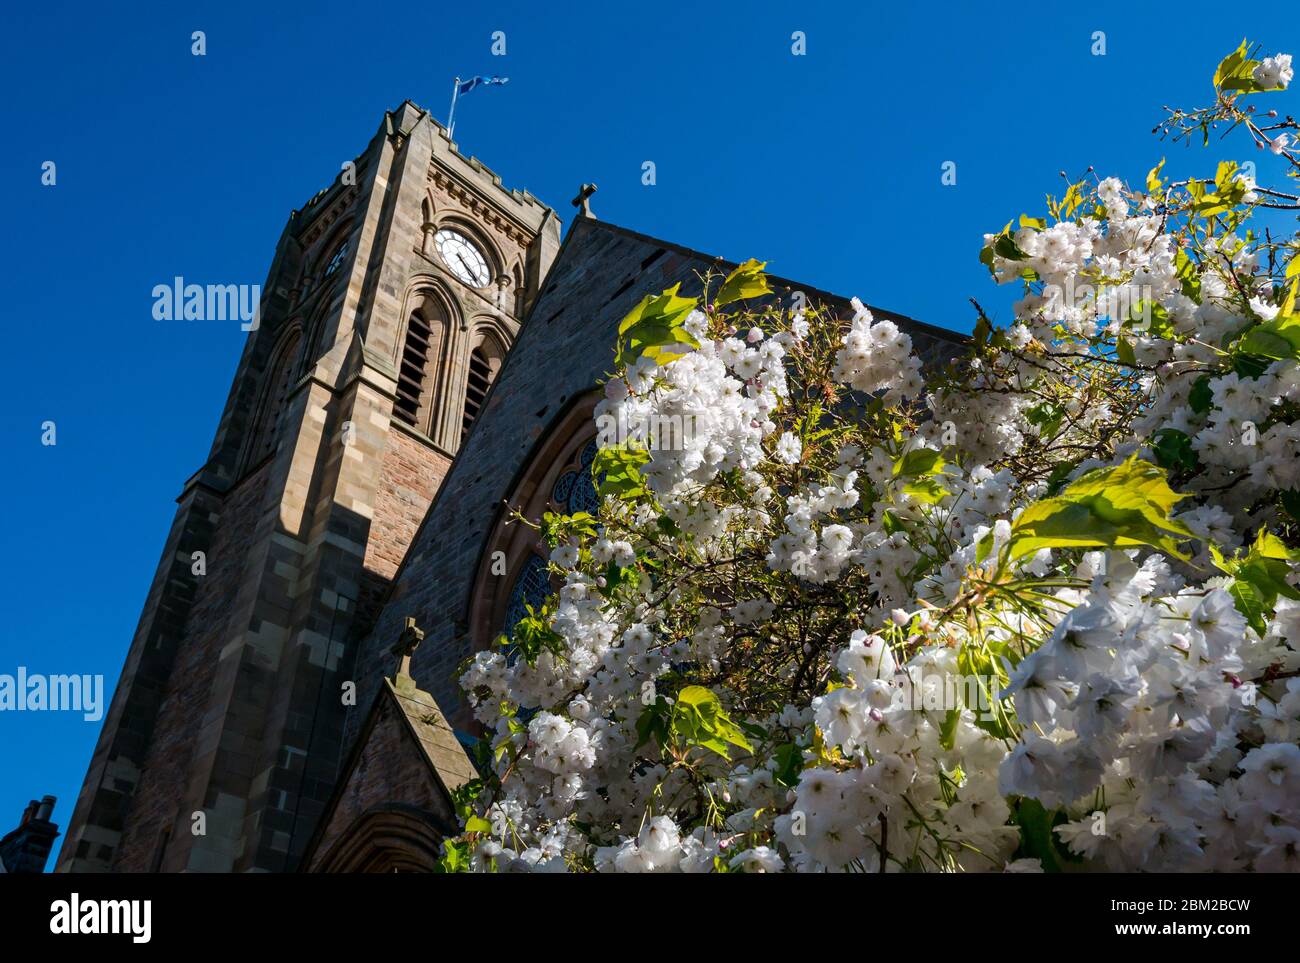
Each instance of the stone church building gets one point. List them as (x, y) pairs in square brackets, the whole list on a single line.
[(426, 355)]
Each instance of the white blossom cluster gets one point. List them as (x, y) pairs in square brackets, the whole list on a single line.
[(1123, 697)]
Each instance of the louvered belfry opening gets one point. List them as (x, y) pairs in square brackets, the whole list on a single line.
[(480, 377), (410, 376)]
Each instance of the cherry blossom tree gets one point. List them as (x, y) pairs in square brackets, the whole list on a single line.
[(1033, 610)]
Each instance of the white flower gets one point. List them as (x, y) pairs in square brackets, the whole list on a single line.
[(760, 859), (1274, 73), (789, 449), (565, 556)]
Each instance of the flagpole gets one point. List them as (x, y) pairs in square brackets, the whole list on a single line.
[(451, 114)]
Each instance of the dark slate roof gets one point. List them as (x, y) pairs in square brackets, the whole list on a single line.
[(564, 347)]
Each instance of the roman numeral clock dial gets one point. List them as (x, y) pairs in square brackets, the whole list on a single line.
[(462, 258)]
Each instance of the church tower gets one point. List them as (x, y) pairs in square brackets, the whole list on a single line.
[(391, 301)]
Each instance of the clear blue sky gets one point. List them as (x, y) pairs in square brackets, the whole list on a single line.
[(827, 165)]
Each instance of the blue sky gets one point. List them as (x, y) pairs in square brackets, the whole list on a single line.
[(827, 165)]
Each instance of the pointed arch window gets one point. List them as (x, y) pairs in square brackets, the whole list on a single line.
[(532, 586), (575, 490), (484, 362), (411, 374), (555, 477), (275, 397), (480, 379), (421, 350)]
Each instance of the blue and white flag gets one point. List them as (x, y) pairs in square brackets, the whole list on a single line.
[(467, 85)]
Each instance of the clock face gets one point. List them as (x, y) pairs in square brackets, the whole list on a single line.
[(462, 258)]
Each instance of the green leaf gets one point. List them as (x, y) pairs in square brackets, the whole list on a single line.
[(1153, 318), (1235, 70), (1292, 273), (1124, 506), (1173, 450), (1003, 245), (789, 760), (1250, 365), (926, 490), (1153, 177), (1291, 503), (1058, 476), (1278, 339), (698, 719), (1189, 279), (1036, 840), (948, 730), (654, 328), (463, 797), (746, 281), (1201, 397), (916, 468), (618, 468), (653, 723), (455, 857), (1046, 416), (1259, 578), (533, 634), (1124, 351), (477, 824), (557, 528), (919, 462)]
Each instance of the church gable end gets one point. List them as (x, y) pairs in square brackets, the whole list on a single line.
[(406, 753)]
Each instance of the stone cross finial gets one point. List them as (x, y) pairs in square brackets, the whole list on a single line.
[(583, 200), (405, 647)]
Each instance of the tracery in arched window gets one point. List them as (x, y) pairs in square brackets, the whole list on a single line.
[(555, 477), (575, 490), (532, 585)]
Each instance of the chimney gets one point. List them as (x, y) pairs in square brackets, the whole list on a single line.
[(27, 848)]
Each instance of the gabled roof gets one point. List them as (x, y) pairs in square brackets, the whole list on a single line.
[(911, 325), (406, 754)]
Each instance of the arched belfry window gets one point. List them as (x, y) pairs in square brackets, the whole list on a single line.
[(484, 362), (275, 396), (480, 379), (426, 330)]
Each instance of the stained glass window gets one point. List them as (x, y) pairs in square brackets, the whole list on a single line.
[(532, 586), (575, 491)]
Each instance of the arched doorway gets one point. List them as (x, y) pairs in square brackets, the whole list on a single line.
[(389, 838)]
